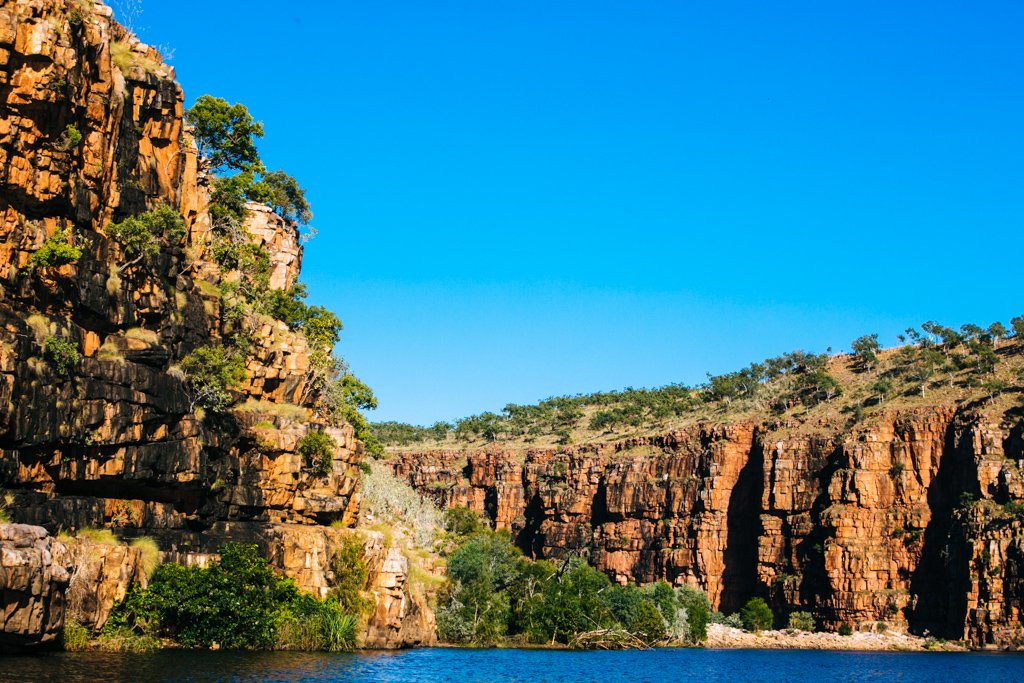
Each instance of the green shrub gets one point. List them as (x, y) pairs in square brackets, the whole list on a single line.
[(802, 621), (56, 251), (235, 602), (475, 607), (72, 137), (208, 374), (756, 615), (647, 624), (150, 554), (698, 613), (461, 521), (61, 353), (123, 639), (732, 620), (318, 449), (76, 636), (350, 576), (140, 235), (845, 630), (315, 625), (570, 604)]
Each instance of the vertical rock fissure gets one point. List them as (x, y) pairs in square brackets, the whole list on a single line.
[(743, 521)]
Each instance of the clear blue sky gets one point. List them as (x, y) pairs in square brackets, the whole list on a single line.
[(517, 200)]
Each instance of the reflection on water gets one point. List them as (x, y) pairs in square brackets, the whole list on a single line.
[(507, 666)]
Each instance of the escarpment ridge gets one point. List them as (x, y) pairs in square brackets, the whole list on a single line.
[(894, 499), (102, 419)]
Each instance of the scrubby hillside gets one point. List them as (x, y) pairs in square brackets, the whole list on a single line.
[(936, 365), (881, 489)]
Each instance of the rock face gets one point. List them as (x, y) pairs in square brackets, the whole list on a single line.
[(102, 575), (863, 525), (34, 575), (91, 132)]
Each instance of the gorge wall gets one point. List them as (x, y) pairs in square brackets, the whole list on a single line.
[(860, 525), (91, 131)]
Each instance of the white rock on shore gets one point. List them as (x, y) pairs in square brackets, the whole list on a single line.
[(720, 636)]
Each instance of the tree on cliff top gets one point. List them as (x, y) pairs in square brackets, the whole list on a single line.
[(225, 134), (282, 193), (866, 349)]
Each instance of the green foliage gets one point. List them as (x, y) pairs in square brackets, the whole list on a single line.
[(802, 621), (140, 236), (494, 592), (126, 640), (756, 615), (845, 630), (225, 134), (350, 576), (235, 602), (570, 603), (399, 433), (287, 305), (61, 353), (208, 374), (72, 137), (698, 613), (475, 605), (1017, 324), (76, 636), (732, 620), (648, 625), (150, 553), (318, 449), (56, 251), (866, 349), (282, 193), (315, 625), (462, 522)]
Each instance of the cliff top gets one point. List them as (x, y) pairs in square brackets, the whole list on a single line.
[(797, 393)]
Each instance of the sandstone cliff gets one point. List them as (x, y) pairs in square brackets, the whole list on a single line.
[(91, 131), (862, 525)]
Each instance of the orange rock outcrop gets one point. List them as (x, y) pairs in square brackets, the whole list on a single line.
[(861, 525)]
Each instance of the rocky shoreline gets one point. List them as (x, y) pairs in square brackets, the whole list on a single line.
[(727, 637)]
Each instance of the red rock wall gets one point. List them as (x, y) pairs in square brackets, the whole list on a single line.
[(860, 525)]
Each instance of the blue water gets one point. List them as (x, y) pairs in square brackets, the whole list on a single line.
[(506, 666)]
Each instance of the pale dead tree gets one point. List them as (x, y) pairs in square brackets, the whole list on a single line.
[(128, 13)]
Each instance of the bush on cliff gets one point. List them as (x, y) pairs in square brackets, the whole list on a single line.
[(61, 353), (140, 235), (56, 251), (350, 577), (236, 602), (225, 134), (757, 615), (318, 449), (208, 374)]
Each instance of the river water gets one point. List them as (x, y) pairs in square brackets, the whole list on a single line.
[(507, 666)]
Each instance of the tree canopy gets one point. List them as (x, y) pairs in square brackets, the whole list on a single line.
[(225, 134)]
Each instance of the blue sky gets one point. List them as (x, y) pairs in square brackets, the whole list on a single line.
[(516, 200)]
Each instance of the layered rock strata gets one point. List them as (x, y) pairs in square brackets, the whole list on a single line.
[(864, 524), (91, 131)]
